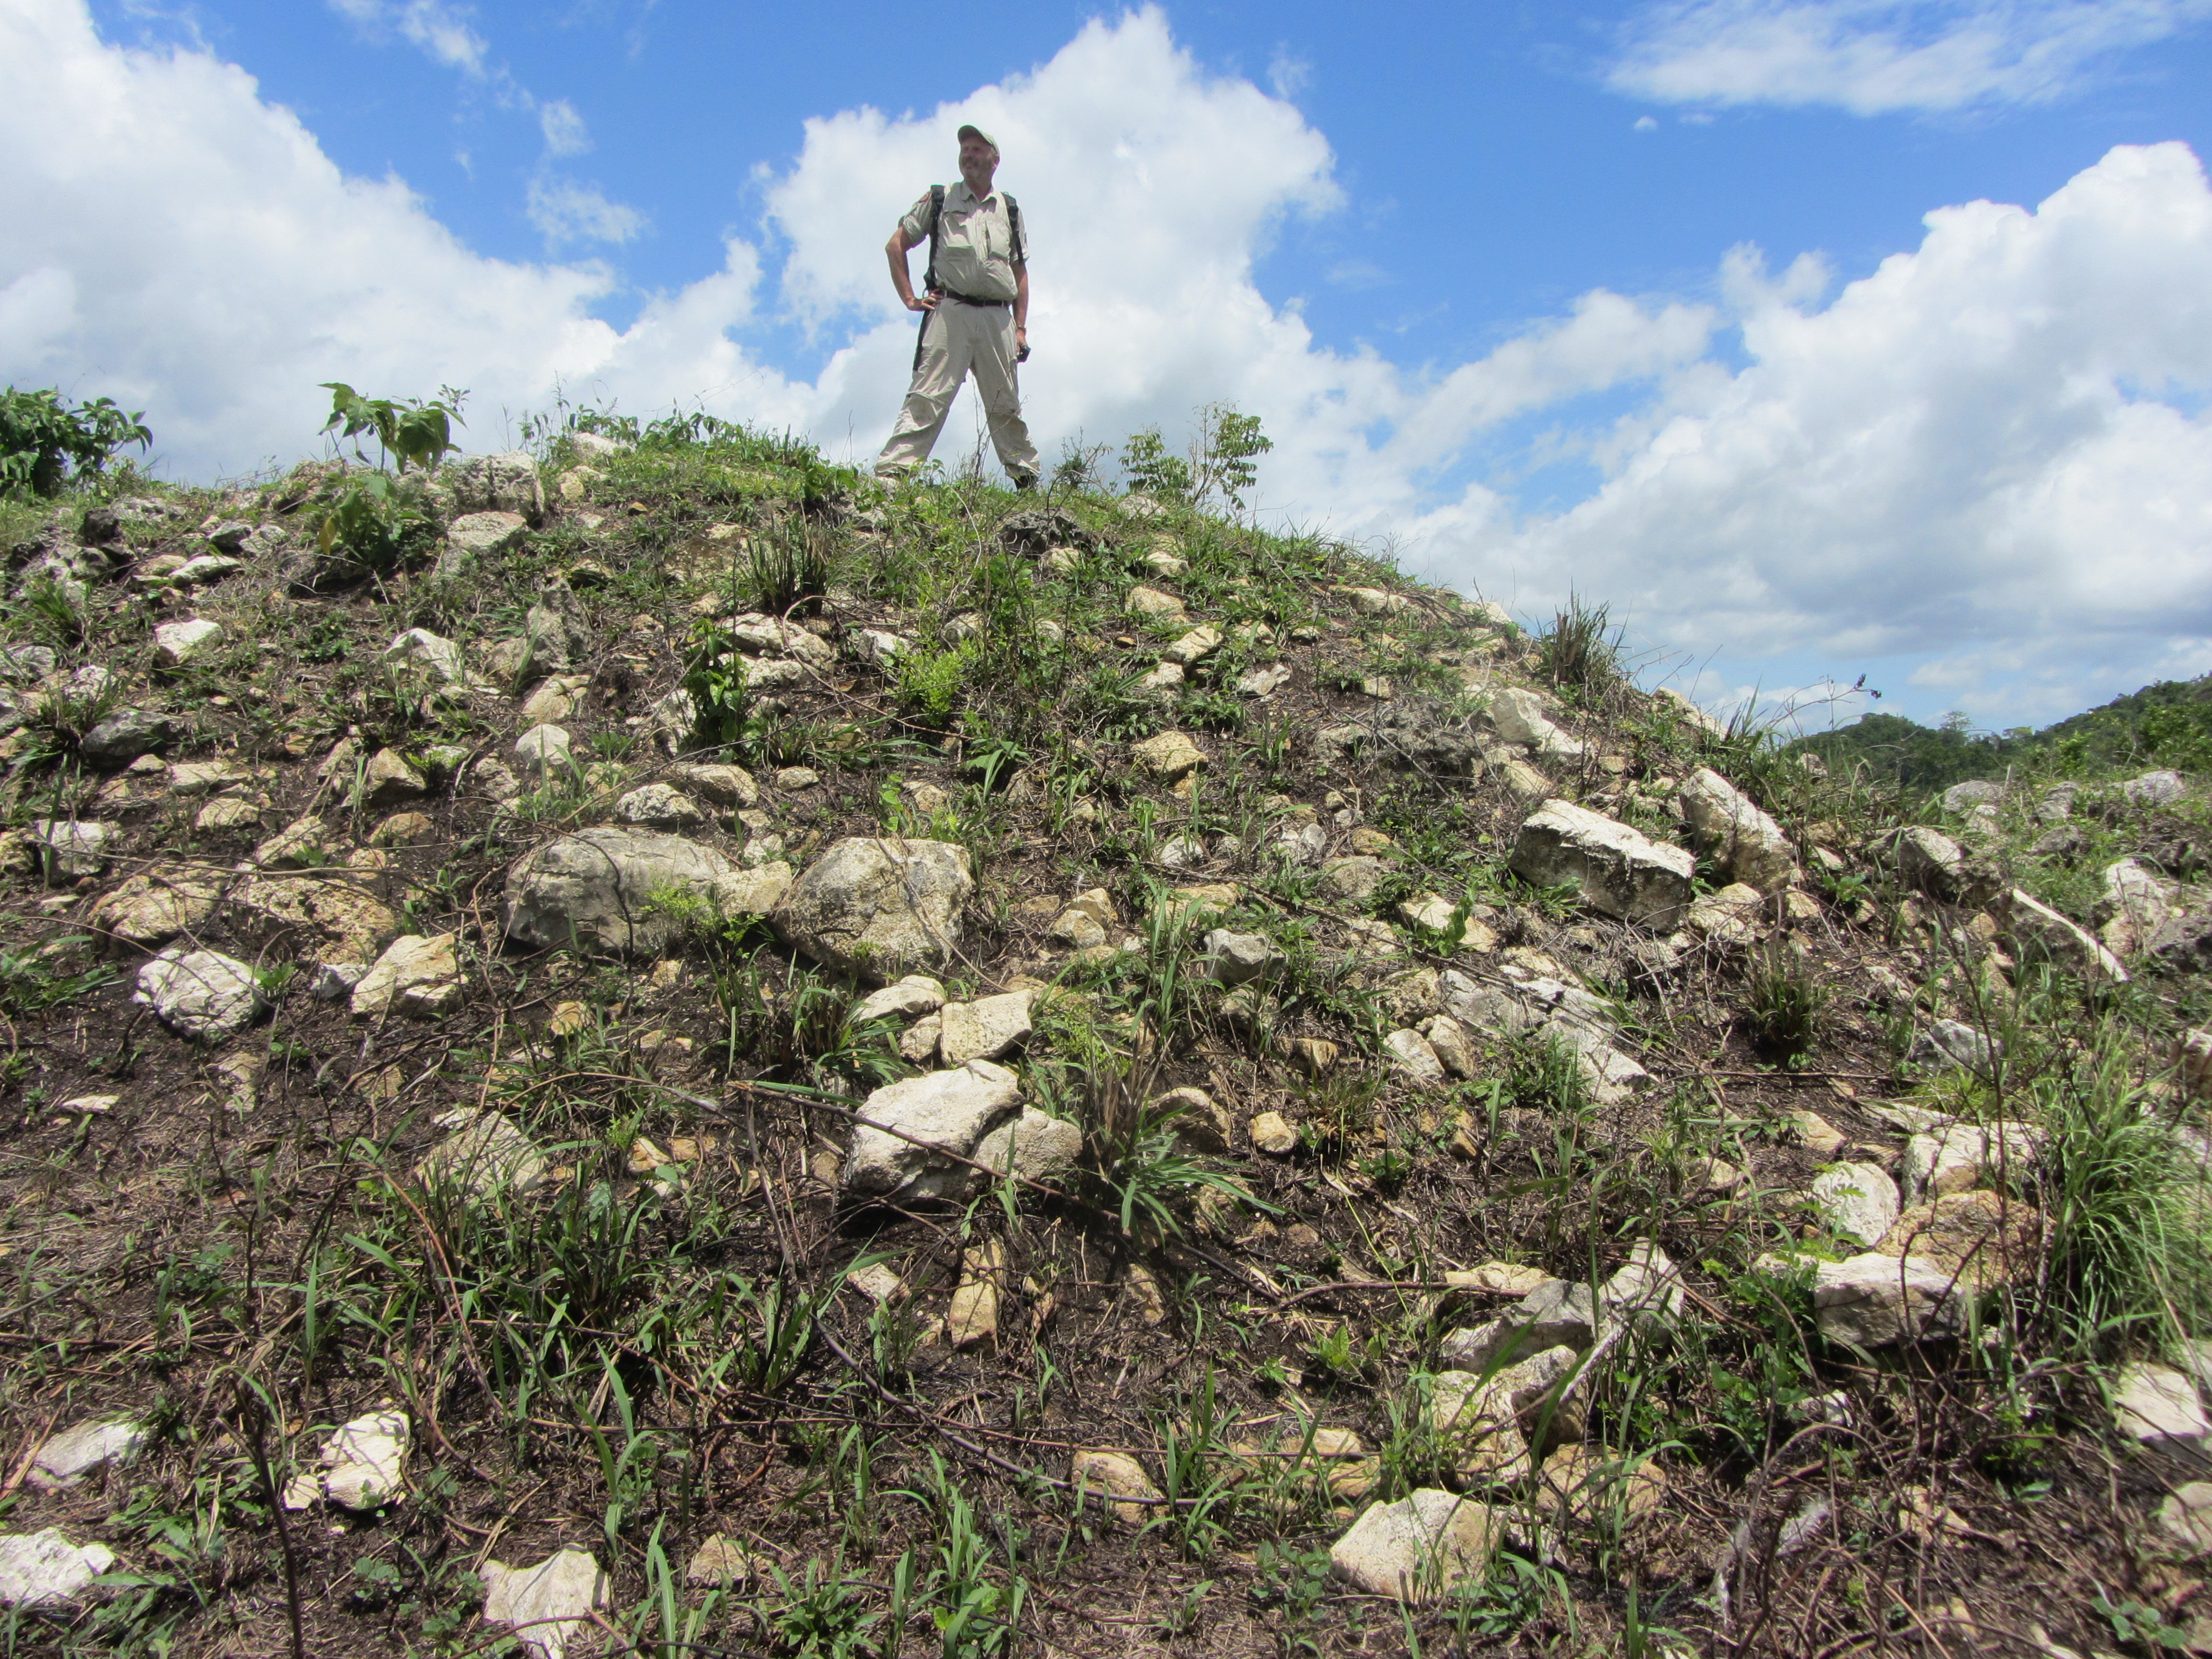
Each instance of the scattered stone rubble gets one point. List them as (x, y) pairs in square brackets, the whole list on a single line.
[(1903, 1244)]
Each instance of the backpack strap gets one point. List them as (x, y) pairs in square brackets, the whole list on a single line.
[(936, 217), (1014, 220)]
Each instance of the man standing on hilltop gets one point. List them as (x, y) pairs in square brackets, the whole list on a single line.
[(976, 305)]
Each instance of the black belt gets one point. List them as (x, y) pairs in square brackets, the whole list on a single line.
[(970, 299)]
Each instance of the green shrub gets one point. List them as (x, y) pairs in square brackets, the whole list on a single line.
[(931, 681), (1150, 469), (372, 520), (415, 431), (43, 442)]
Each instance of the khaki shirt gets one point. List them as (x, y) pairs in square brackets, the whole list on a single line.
[(977, 253)]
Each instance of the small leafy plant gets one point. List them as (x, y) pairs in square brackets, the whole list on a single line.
[(375, 517), (413, 431), (43, 442), (1151, 470)]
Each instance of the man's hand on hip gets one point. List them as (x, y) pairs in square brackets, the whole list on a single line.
[(922, 302)]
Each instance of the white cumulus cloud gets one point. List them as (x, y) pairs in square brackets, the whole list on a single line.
[(1992, 456), (563, 128), (566, 211), (1872, 56), (1987, 464), (440, 31)]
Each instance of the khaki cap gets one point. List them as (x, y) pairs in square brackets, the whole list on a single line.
[(971, 131)]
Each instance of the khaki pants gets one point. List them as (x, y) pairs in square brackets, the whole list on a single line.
[(956, 340)]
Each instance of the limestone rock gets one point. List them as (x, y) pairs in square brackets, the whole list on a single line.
[(363, 1467), (178, 643), (1930, 862), (719, 1560), (1150, 602), (2036, 929), (1859, 1201), (555, 699), (71, 847), (418, 647), (1451, 1044), (1413, 1060), (725, 786), (505, 482), (2154, 789), (316, 916), (875, 646), (1983, 1239), (1583, 1485), (1746, 844), (973, 1318), (1034, 1147), (1962, 798), (1421, 1549), (1688, 714), (1645, 1288), (593, 890), (2137, 902), (1121, 1481), (1557, 1313), (1078, 929), (1730, 916), (542, 751), (1953, 1158), (1876, 1301), (984, 1028), (949, 1111), (657, 806), (1409, 997), (152, 908), (1169, 757), (2158, 1406), (1233, 959), (486, 534), (1948, 1044), (2186, 1517), (45, 1569), (228, 813), (1617, 870), (418, 975), (124, 735), (1521, 718), (918, 1043), (1352, 880), (485, 1154), (754, 892), (1275, 1134), (547, 1605), (1474, 1416), (391, 780), (766, 635), (201, 994), (917, 993), (68, 1458), (879, 907), (1193, 646)]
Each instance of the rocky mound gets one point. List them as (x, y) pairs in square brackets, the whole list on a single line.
[(808, 1066)]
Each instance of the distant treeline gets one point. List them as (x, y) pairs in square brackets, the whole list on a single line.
[(2166, 725)]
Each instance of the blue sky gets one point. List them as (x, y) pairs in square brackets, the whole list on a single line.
[(1485, 269)]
